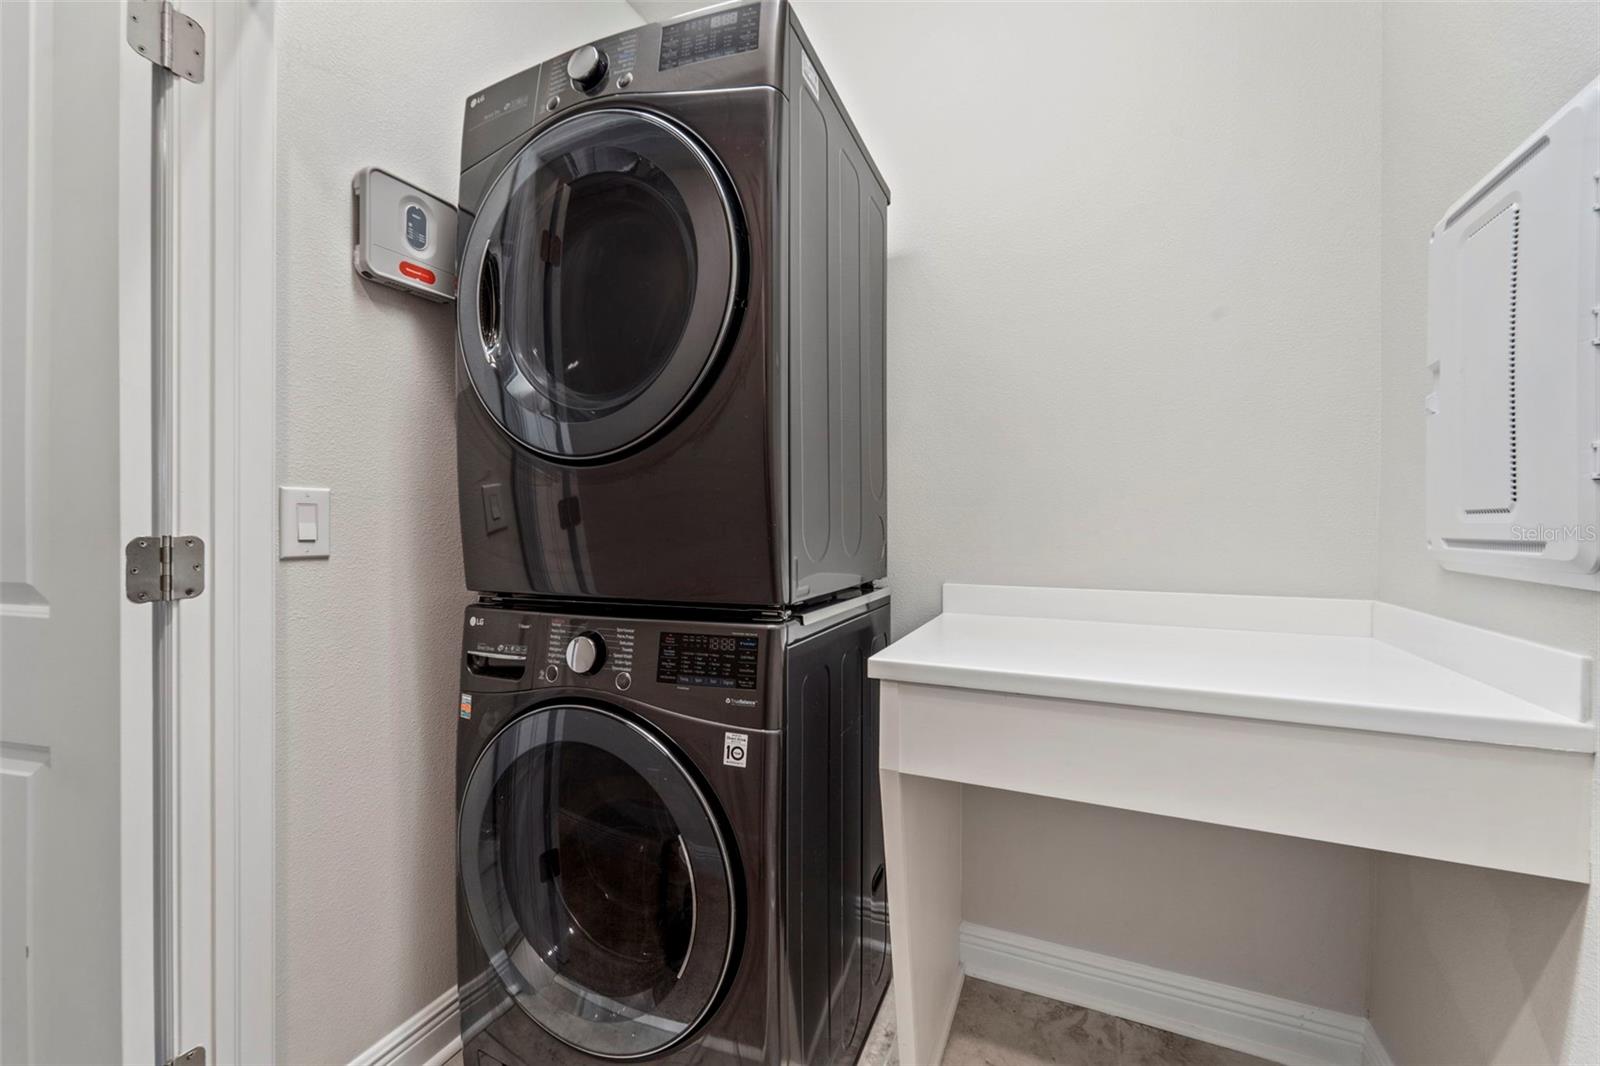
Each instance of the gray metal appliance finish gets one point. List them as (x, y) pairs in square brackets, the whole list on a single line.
[(671, 323), (675, 856)]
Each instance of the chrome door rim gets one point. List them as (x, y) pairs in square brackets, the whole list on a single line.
[(470, 328)]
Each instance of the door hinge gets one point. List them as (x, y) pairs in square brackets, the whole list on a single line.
[(166, 568), (168, 38), (195, 1056)]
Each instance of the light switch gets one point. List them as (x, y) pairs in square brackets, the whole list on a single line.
[(304, 519)]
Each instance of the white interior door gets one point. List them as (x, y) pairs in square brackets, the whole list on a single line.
[(105, 407)]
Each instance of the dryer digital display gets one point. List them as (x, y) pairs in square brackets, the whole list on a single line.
[(724, 33), (713, 660)]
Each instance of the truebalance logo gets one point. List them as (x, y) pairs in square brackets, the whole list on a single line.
[(739, 701)]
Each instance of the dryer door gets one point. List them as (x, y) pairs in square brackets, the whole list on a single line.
[(598, 880), (599, 281)]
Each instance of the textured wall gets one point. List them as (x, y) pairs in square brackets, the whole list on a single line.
[(368, 639), (1470, 965), (1133, 343)]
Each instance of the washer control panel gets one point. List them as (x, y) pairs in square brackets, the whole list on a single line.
[(586, 653), (719, 670), (711, 660), (588, 647)]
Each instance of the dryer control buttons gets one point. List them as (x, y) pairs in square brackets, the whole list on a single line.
[(624, 681), (552, 673), (586, 652), (586, 67)]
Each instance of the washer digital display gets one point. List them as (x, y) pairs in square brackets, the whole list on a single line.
[(723, 33), (713, 660)]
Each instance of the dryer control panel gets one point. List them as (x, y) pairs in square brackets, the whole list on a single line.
[(731, 46)]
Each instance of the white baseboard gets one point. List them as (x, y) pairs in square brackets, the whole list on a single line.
[(1252, 1022), (427, 1038), (1282, 1030)]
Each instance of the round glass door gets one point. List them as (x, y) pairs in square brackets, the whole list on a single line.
[(598, 880), (599, 280)]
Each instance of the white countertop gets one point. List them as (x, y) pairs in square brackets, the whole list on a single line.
[(1313, 662)]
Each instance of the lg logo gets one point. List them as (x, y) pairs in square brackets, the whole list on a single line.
[(474, 621), (476, 100)]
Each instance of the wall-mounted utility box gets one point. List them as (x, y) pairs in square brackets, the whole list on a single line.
[(1513, 415), (404, 236)]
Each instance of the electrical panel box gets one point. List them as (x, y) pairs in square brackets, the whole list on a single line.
[(404, 237), (1513, 411)]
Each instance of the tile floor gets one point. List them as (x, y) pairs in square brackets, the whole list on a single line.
[(998, 1026)]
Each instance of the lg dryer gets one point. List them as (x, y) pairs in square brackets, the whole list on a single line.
[(671, 323)]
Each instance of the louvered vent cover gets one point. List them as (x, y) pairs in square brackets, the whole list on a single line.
[(1489, 363), (1513, 412)]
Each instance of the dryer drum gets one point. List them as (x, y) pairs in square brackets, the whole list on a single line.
[(489, 303), (607, 258)]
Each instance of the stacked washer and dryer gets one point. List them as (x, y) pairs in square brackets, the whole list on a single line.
[(671, 469)]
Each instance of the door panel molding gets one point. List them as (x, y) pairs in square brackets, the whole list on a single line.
[(243, 202), (137, 649)]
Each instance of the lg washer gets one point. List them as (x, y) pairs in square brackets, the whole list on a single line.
[(670, 840)]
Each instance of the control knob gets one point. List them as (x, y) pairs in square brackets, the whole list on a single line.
[(587, 67), (586, 653)]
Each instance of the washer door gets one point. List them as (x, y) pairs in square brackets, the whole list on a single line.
[(598, 283), (598, 880)]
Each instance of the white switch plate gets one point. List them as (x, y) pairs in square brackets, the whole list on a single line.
[(297, 506)]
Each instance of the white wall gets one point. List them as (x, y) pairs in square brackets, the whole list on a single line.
[(1133, 343), (1133, 307), (1285, 916), (1470, 965), (368, 640)]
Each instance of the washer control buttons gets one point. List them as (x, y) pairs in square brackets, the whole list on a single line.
[(552, 673), (586, 653), (624, 681), (552, 103), (625, 81)]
